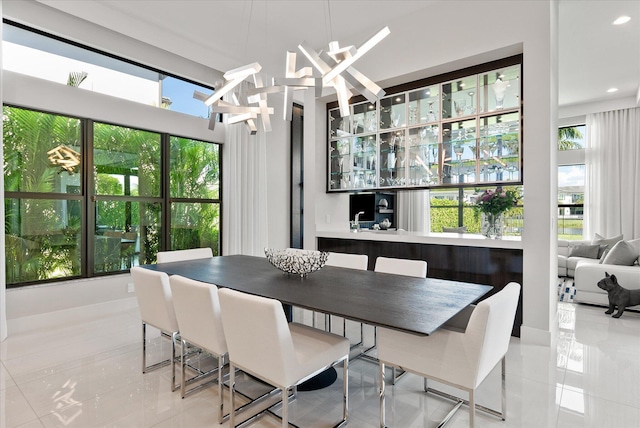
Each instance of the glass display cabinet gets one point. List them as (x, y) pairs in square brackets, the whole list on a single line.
[(463, 131)]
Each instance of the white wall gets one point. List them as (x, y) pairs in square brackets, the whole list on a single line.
[(38, 299), (527, 26)]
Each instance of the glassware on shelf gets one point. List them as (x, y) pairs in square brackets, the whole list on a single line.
[(460, 106), (431, 116), (499, 89), (471, 108), (420, 137)]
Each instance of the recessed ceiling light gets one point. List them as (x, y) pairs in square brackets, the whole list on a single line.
[(610, 90), (621, 20)]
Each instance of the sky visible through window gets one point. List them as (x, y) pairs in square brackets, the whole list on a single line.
[(37, 55), (572, 138), (181, 95)]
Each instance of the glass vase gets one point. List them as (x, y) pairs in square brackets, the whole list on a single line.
[(492, 225)]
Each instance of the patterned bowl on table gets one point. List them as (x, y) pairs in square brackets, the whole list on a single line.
[(297, 262)]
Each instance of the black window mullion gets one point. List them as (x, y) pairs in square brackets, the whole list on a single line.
[(165, 189), (88, 191)]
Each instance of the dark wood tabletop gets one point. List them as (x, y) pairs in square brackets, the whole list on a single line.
[(413, 305)]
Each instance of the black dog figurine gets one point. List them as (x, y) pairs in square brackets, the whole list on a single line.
[(618, 295)]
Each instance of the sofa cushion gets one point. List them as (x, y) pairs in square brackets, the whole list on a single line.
[(600, 240), (572, 262), (636, 244), (588, 251), (622, 253)]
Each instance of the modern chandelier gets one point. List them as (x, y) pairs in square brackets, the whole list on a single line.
[(336, 70)]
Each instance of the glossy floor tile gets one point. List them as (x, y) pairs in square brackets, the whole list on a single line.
[(82, 368)]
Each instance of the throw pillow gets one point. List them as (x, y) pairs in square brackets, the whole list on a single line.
[(622, 253), (600, 240), (587, 251), (604, 255), (636, 244), (605, 242)]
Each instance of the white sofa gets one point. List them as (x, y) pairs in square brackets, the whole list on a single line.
[(621, 260), (588, 274), (567, 265)]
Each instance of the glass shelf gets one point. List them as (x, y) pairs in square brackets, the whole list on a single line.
[(450, 134), (459, 98), (393, 112), (424, 105), (500, 89), (364, 118)]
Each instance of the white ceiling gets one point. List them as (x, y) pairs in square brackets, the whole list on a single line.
[(225, 34)]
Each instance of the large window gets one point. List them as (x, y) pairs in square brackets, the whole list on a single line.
[(571, 181), (194, 194), (85, 198), (43, 200), (39, 55), (454, 207)]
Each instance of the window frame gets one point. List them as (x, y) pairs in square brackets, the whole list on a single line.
[(88, 198)]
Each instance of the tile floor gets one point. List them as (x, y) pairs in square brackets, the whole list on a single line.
[(81, 368)]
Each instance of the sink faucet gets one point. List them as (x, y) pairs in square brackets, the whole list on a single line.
[(355, 221)]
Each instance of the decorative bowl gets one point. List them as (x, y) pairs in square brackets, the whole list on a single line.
[(297, 262)]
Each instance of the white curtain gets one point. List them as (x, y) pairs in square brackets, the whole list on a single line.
[(244, 191), (413, 210), (612, 198)]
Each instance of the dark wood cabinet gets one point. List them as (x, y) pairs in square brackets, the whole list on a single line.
[(480, 265)]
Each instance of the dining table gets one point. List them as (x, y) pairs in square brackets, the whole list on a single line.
[(414, 305)]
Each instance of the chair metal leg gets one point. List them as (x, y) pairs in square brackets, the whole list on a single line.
[(382, 388), (174, 337), (144, 347), (503, 410), (345, 389), (220, 383), (183, 363), (232, 393), (472, 408), (285, 407), (163, 363)]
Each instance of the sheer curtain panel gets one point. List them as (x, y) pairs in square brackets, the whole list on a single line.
[(413, 210), (244, 191), (612, 199)]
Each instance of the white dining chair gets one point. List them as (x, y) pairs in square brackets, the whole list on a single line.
[(417, 268), (348, 261), (262, 344), (182, 255), (155, 303), (198, 312), (459, 359), (406, 267)]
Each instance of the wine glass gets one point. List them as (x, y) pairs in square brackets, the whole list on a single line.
[(431, 117), (472, 107), (459, 106)]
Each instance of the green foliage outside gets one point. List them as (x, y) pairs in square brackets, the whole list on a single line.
[(194, 174), (568, 138), (444, 213), (43, 235)]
